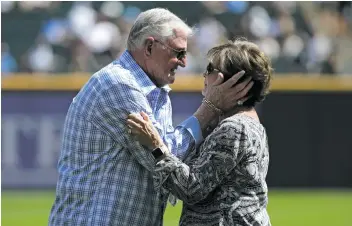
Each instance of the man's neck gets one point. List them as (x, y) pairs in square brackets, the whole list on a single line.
[(136, 55)]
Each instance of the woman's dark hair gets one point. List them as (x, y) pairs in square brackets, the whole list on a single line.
[(238, 55)]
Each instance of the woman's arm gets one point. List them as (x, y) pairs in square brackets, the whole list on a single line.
[(192, 183)]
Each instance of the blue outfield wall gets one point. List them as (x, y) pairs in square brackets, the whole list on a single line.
[(310, 136), (32, 123)]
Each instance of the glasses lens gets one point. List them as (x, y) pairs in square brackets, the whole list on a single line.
[(210, 69), (181, 54)]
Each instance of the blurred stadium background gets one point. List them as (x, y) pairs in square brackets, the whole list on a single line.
[(49, 50)]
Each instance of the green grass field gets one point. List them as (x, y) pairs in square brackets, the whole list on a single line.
[(286, 208)]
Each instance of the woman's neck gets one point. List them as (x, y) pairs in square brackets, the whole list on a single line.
[(249, 111)]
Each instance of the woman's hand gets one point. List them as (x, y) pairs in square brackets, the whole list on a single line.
[(226, 95), (144, 131)]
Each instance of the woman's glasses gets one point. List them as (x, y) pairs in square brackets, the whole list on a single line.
[(210, 69), (180, 54)]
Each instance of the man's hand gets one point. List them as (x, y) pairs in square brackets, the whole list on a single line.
[(225, 95)]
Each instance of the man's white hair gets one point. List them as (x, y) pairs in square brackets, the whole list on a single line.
[(158, 23)]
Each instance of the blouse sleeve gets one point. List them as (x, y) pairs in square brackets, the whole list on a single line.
[(192, 183)]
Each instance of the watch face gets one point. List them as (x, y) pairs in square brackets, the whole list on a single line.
[(157, 153)]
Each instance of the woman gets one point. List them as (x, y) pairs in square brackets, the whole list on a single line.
[(223, 181)]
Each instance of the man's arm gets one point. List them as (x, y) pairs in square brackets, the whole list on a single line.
[(111, 111)]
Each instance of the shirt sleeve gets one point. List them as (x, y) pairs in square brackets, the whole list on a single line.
[(193, 127), (111, 111), (183, 138), (218, 157)]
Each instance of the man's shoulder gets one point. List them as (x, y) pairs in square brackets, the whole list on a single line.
[(112, 80), (114, 74)]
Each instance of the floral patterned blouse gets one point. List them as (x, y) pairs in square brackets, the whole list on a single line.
[(223, 181)]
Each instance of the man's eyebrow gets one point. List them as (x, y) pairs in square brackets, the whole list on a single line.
[(181, 49)]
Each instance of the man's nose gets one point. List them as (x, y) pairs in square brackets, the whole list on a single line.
[(183, 61)]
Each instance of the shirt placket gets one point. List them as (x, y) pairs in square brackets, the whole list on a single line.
[(158, 103)]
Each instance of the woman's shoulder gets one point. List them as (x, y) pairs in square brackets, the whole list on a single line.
[(240, 125), (230, 127)]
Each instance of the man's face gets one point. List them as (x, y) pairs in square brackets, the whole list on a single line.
[(165, 58)]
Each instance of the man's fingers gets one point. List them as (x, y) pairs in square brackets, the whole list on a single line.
[(232, 81)]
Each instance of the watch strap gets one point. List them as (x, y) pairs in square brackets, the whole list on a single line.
[(157, 153)]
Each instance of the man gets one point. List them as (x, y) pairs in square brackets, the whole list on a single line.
[(101, 181)]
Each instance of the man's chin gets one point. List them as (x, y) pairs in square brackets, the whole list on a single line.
[(171, 79)]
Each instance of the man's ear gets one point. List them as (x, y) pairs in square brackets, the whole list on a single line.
[(148, 46)]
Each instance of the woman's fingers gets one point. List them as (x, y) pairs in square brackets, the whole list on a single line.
[(145, 116), (244, 84), (133, 125), (219, 79), (135, 132), (136, 117), (134, 128), (242, 100), (232, 81), (245, 90)]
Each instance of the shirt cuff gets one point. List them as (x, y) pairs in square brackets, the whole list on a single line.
[(193, 127)]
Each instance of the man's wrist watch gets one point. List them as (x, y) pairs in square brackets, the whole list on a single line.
[(158, 152)]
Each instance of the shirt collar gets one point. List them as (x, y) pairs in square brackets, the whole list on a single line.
[(142, 78)]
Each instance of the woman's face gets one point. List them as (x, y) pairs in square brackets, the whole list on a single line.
[(210, 76)]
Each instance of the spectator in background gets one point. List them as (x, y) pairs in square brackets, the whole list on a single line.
[(8, 62), (102, 180), (41, 57), (291, 33)]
